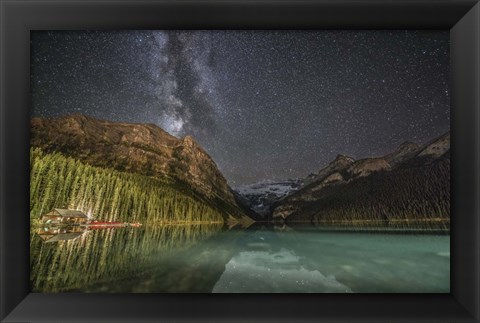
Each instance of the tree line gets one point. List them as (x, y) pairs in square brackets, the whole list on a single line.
[(57, 181), (402, 194)]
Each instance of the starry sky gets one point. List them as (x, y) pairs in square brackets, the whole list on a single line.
[(263, 104)]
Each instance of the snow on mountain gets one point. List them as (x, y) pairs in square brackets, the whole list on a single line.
[(260, 196)]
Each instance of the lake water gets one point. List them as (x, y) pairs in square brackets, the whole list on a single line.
[(211, 258)]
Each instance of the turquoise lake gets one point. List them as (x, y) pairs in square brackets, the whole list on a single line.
[(259, 259)]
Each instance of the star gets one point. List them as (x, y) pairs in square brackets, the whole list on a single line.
[(263, 104)]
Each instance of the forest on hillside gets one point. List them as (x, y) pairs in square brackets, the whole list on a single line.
[(57, 181), (421, 192)]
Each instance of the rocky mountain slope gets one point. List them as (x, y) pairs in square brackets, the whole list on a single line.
[(410, 183), (340, 162), (406, 151), (134, 148)]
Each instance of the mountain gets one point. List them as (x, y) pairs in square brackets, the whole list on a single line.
[(412, 182), (406, 151), (136, 148), (143, 149), (340, 162), (258, 197)]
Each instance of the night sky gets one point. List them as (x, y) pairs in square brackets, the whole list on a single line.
[(263, 104)]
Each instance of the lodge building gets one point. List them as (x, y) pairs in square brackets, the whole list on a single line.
[(65, 216)]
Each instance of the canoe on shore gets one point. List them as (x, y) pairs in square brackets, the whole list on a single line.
[(105, 224)]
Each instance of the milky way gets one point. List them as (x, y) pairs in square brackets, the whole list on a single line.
[(263, 104)]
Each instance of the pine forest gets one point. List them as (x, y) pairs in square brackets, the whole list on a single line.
[(108, 195)]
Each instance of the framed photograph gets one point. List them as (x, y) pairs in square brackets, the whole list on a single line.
[(308, 161)]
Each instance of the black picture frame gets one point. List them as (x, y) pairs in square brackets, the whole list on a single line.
[(19, 17)]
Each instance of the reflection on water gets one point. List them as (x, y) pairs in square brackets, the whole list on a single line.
[(109, 255), (265, 271), (211, 258), (55, 234), (401, 226), (309, 259)]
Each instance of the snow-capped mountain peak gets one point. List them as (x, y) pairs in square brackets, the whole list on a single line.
[(262, 195)]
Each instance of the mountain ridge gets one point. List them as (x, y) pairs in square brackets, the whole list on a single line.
[(410, 162), (145, 149)]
